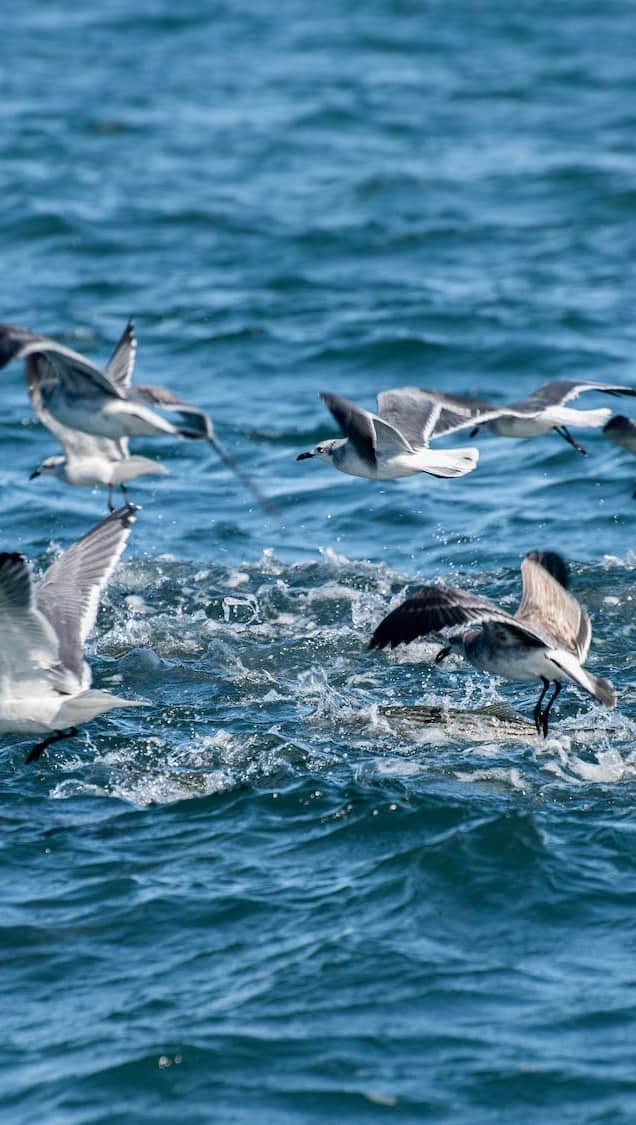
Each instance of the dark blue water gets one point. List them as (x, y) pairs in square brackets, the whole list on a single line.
[(315, 884)]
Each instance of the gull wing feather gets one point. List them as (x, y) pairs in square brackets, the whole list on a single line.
[(434, 608), (456, 412), (548, 607), (76, 443), (69, 366), (121, 364), (196, 419), (29, 644), (564, 390), (366, 432), (413, 415), (69, 592)]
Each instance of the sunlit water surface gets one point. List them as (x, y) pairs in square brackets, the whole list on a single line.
[(308, 882)]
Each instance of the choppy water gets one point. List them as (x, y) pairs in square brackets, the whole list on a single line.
[(313, 883)]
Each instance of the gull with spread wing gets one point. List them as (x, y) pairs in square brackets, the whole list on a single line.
[(390, 444), (547, 638), (544, 410), (45, 683), (87, 460), (103, 403)]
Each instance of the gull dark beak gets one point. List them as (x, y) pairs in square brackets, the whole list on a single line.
[(442, 654), (34, 474), (304, 456)]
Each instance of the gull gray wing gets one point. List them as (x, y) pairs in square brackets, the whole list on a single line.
[(29, 644), (548, 607), (455, 412), (196, 420), (71, 368), (434, 608), (121, 364), (366, 431), (563, 390), (413, 415), (75, 443), (69, 592)]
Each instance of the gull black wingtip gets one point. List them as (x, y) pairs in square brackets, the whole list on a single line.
[(555, 565)]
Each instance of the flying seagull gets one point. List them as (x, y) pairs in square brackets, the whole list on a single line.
[(547, 639), (103, 403), (390, 444), (542, 411), (88, 460), (44, 679), (621, 431)]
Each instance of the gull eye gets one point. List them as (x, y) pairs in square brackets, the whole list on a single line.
[(320, 449)]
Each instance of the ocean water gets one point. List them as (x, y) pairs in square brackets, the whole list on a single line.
[(311, 883)]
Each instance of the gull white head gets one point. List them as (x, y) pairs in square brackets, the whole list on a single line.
[(325, 450), (51, 466)]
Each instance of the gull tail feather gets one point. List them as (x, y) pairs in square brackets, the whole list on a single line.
[(449, 462), (89, 704), (135, 467), (601, 690), (587, 419), (265, 504)]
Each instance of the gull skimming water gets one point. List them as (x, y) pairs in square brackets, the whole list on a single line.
[(547, 639), (44, 679), (390, 444)]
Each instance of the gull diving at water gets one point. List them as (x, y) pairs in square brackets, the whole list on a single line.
[(44, 679), (621, 431), (542, 411), (79, 396), (390, 444), (547, 638)]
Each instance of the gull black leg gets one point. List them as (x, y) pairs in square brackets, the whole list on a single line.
[(544, 722), (124, 491), (537, 709), (563, 432), (40, 747), (111, 506)]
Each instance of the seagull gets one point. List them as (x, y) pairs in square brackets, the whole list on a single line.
[(91, 462), (87, 460), (547, 638), (102, 403), (44, 679), (621, 431), (542, 411), (390, 444)]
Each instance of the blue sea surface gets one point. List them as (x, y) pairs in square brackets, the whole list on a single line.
[(312, 883)]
